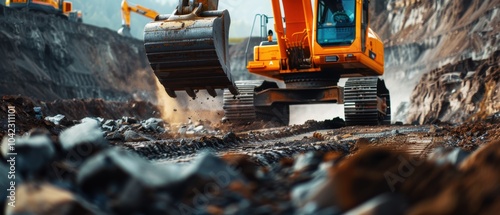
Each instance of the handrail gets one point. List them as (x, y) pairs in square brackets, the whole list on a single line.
[(263, 30)]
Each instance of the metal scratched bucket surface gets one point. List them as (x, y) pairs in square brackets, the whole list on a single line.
[(190, 54)]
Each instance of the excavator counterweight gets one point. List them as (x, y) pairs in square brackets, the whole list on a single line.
[(188, 50)]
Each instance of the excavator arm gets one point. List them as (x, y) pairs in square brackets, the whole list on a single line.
[(127, 9)]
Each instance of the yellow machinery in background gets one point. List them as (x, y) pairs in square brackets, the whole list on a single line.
[(126, 9), (317, 43), (60, 8)]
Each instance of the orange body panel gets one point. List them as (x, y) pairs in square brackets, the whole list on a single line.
[(49, 6), (266, 61), (53, 3), (364, 56), (67, 7)]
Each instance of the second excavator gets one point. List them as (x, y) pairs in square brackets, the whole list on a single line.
[(317, 43), (127, 9), (60, 8)]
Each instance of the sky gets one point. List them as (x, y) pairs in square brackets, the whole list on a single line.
[(108, 14), (242, 13)]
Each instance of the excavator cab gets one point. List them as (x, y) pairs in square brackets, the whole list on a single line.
[(188, 50)]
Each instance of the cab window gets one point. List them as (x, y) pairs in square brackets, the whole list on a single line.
[(336, 22)]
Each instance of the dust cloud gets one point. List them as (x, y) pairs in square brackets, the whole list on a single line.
[(299, 114), (184, 109)]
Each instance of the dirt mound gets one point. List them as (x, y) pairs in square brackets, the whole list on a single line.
[(47, 58), (24, 117), (472, 135), (75, 109), (455, 93)]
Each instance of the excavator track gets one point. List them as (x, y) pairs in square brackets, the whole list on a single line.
[(241, 107), (362, 97)]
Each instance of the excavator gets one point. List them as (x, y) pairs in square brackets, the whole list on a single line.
[(126, 9), (317, 43), (60, 8)]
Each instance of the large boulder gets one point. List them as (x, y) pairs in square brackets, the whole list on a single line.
[(82, 141), (121, 182), (30, 154)]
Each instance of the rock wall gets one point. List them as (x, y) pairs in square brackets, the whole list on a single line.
[(455, 93), (47, 58), (421, 36)]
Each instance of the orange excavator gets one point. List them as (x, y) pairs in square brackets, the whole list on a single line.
[(61, 8), (317, 43), (126, 9)]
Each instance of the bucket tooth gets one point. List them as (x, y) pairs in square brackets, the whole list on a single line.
[(211, 91), (171, 93), (233, 90), (191, 93)]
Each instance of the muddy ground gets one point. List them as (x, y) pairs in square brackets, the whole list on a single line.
[(137, 163)]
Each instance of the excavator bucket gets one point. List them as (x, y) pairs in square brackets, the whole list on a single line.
[(190, 51)]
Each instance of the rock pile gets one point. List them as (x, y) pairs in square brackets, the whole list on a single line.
[(79, 172), (31, 113)]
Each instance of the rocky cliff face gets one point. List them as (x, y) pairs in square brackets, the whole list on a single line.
[(48, 58), (455, 93), (421, 36)]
